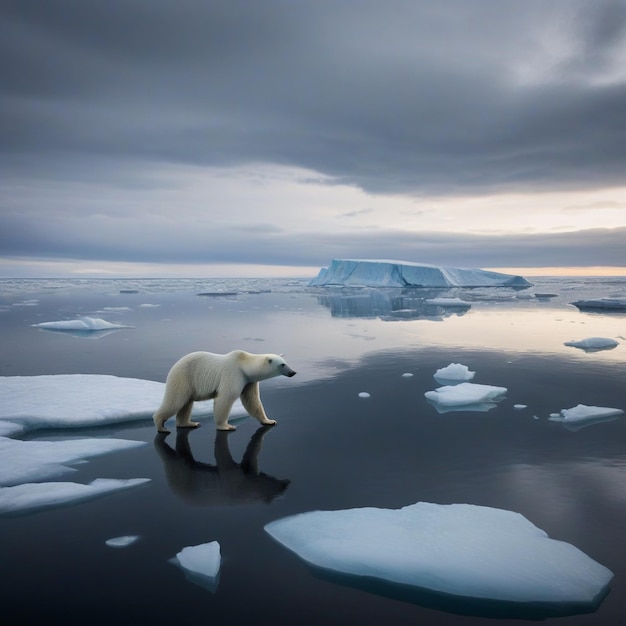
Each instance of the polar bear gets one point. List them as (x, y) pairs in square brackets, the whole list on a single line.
[(224, 377)]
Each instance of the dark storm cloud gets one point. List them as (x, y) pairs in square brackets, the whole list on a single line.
[(391, 96)]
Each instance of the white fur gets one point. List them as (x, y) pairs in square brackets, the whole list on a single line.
[(224, 377)]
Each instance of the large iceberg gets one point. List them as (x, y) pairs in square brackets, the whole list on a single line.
[(383, 273), (461, 550)]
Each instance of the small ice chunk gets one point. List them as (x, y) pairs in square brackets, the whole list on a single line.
[(201, 564), (582, 416), (449, 302), (121, 542), (453, 373), (460, 549), (85, 324), (616, 304), (364, 394), (407, 375), (31, 497), (519, 407), (593, 344), (465, 394)]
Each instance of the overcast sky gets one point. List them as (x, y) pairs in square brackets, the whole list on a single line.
[(202, 137)]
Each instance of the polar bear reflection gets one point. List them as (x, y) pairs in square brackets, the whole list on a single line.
[(227, 482)]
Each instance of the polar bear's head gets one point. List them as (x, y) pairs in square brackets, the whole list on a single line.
[(263, 366)]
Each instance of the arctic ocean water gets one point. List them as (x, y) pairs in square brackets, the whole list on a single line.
[(331, 449)]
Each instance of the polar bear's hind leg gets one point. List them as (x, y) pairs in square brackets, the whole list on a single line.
[(183, 416)]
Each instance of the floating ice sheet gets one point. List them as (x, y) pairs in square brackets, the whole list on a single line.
[(79, 400), (32, 497), (465, 396), (594, 344), (201, 564), (449, 302), (459, 549), (616, 304), (84, 324), (25, 461)]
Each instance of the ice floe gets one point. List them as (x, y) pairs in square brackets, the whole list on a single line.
[(582, 415), (201, 564), (461, 550), (27, 461), (453, 373), (615, 304), (79, 400), (121, 542), (465, 397), (83, 324), (364, 394), (32, 497), (594, 344), (384, 273)]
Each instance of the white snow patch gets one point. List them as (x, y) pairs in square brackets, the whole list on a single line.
[(121, 542), (593, 344), (453, 373), (79, 400), (31, 497), (201, 564), (465, 396), (460, 549), (83, 324)]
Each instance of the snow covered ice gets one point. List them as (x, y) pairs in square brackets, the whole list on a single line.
[(449, 302), (385, 273), (453, 373), (465, 396), (31, 497), (594, 344), (458, 549), (79, 400), (201, 564)]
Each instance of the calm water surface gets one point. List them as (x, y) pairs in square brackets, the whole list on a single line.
[(330, 450)]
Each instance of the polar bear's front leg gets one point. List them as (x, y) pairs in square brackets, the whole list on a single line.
[(183, 417), (251, 400), (221, 410)]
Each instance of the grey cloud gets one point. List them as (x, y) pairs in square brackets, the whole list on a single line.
[(393, 97)]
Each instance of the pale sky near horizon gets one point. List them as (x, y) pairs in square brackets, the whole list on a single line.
[(236, 138)]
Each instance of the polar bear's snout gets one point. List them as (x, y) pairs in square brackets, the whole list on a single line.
[(287, 371)]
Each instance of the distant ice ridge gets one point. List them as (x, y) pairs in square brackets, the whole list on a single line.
[(79, 400), (616, 304), (201, 564), (458, 549), (385, 273)]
